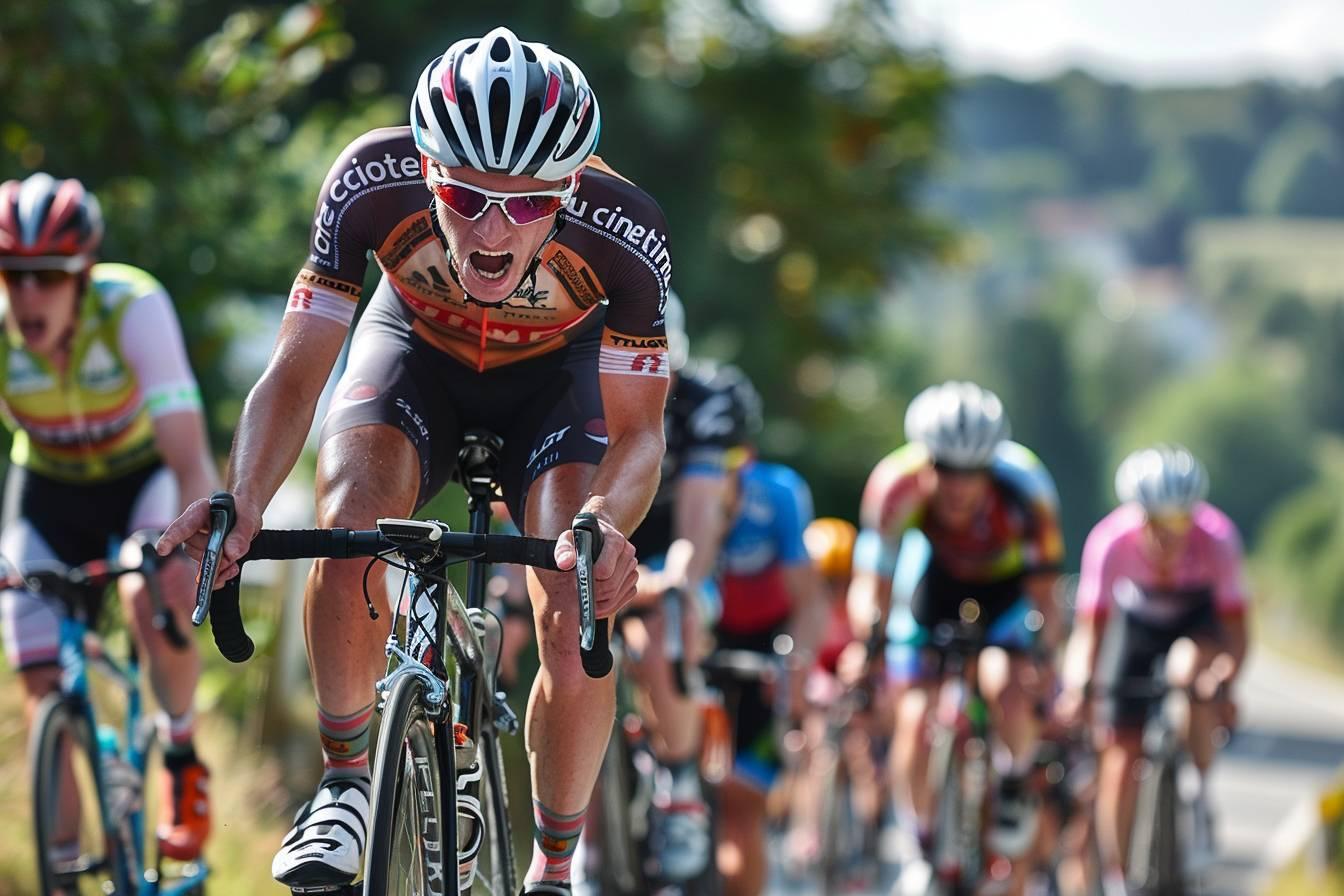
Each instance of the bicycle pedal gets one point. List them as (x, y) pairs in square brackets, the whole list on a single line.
[(327, 890), (506, 720)]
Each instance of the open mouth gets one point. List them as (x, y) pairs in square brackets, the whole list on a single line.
[(32, 330), (491, 265)]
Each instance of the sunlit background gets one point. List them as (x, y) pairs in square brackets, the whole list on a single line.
[(1126, 218)]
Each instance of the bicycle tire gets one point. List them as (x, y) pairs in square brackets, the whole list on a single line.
[(1170, 871), (57, 720), (621, 873), (839, 824), (945, 766), (496, 871), (409, 769)]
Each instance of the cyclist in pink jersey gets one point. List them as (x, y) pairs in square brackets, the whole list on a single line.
[(1162, 579)]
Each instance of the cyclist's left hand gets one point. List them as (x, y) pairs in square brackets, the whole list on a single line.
[(616, 571)]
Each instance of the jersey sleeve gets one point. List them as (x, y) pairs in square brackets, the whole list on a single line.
[(1230, 593), (1028, 478), (1096, 581), (150, 339), (634, 341), (344, 226), (793, 513)]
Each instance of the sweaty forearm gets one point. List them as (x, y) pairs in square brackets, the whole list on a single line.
[(270, 436), (625, 482)]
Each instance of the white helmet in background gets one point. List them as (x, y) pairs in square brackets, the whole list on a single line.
[(674, 321), (1162, 479), (959, 423), (505, 106)]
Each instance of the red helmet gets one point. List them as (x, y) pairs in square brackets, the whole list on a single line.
[(48, 223)]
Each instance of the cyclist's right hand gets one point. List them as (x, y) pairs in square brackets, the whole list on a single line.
[(192, 529)]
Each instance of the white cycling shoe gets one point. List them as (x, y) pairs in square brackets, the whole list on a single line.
[(324, 847)]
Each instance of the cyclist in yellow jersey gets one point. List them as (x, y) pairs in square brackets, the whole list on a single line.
[(108, 433)]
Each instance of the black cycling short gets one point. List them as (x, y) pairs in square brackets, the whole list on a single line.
[(938, 597), (1132, 648), (47, 520), (756, 755), (82, 521), (547, 409)]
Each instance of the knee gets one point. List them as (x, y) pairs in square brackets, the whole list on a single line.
[(1183, 663), (134, 593)]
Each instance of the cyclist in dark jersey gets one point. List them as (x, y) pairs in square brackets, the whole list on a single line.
[(710, 410), (522, 291)]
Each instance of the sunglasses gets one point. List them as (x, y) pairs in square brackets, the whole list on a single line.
[(955, 471), (44, 278), (471, 203), (1172, 522)]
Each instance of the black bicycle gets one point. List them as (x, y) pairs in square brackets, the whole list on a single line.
[(441, 711), (849, 854), (1163, 817), (959, 765)]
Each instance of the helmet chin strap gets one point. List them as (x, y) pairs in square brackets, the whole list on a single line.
[(556, 227)]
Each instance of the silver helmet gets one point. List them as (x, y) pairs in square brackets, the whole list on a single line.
[(959, 423), (1162, 479)]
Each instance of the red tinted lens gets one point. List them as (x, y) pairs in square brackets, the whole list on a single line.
[(49, 277), (461, 199), (526, 209)]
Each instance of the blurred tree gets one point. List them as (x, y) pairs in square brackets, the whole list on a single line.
[(1300, 171), (1303, 546), (1323, 387)]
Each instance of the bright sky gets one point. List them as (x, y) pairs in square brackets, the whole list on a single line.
[(1155, 41)]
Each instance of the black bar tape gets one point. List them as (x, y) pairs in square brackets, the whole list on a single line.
[(299, 544), (226, 624), (538, 552)]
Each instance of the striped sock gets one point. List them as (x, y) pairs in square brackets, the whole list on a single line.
[(345, 743), (553, 844), (176, 732)]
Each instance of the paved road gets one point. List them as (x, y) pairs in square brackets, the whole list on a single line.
[(1290, 744)]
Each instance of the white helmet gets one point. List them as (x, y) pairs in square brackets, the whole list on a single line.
[(1164, 478), (674, 322), (503, 106), (959, 423)]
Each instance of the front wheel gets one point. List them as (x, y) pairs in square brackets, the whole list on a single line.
[(414, 817), (77, 852)]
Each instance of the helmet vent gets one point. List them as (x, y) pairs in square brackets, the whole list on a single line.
[(499, 114), (527, 122), (528, 54), (499, 50)]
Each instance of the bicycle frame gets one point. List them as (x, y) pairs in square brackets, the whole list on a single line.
[(960, 722), (75, 662)]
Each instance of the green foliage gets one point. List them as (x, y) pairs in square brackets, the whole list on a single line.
[(1303, 547), (1299, 172)]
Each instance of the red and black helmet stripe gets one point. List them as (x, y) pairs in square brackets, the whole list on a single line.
[(41, 216)]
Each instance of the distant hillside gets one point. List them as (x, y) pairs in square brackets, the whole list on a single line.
[(1162, 157)]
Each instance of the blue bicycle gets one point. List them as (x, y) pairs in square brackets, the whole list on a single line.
[(87, 778)]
